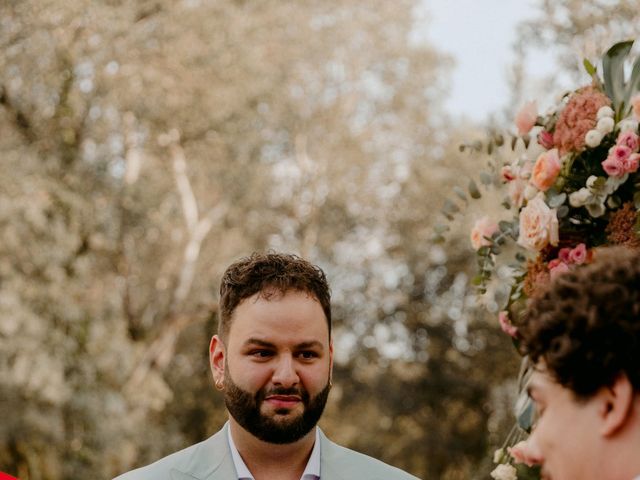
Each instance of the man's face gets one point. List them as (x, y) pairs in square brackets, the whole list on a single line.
[(564, 440), (276, 365)]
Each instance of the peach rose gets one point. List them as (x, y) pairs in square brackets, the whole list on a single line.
[(635, 105), (538, 225), (484, 227), (546, 170), (526, 117)]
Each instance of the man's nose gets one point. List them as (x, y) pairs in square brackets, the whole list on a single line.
[(285, 373)]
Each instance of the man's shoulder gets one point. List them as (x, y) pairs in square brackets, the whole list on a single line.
[(185, 464), (345, 463)]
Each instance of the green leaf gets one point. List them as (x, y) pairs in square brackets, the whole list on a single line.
[(633, 86), (486, 178), (450, 207), (473, 190), (636, 200), (588, 66), (505, 227), (613, 71), (460, 193), (441, 228), (556, 200)]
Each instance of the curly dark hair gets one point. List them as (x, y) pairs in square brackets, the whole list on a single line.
[(269, 274), (585, 327)]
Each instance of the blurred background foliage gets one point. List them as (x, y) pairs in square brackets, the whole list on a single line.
[(146, 145)]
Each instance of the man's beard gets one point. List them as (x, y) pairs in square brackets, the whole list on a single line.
[(244, 407)]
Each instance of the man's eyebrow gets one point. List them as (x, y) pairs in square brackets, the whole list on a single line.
[(311, 344), (258, 342)]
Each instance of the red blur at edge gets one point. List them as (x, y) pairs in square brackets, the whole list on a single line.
[(5, 476)]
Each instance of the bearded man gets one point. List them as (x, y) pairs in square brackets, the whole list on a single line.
[(272, 358)]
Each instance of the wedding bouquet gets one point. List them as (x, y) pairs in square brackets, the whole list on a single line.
[(572, 185)]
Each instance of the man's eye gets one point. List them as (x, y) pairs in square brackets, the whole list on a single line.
[(308, 355), (260, 353)]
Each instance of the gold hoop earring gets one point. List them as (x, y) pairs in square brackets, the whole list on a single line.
[(220, 384)]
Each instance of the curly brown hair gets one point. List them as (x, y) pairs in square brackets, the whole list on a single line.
[(269, 274), (586, 326)]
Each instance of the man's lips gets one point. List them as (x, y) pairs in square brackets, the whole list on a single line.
[(283, 401)]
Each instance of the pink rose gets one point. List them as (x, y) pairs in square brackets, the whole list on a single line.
[(631, 163), (546, 170), (521, 453), (506, 325), (556, 268), (635, 104), (620, 152), (484, 227), (579, 254), (629, 139), (565, 255), (538, 225), (614, 166), (545, 139), (526, 117)]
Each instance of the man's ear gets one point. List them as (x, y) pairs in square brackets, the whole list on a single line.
[(217, 355), (616, 405), (330, 360)]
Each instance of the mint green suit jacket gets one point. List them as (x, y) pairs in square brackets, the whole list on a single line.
[(211, 460)]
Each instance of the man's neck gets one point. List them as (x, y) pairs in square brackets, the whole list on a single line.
[(272, 461)]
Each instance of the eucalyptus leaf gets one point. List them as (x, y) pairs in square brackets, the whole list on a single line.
[(473, 190), (556, 200), (505, 227), (563, 211), (450, 207), (486, 178), (460, 193), (441, 228)]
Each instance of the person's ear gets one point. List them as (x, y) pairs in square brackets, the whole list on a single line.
[(330, 361), (217, 355), (616, 405)]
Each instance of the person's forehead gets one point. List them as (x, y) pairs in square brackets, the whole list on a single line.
[(292, 315)]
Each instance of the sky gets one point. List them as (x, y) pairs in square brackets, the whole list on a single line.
[(479, 35)]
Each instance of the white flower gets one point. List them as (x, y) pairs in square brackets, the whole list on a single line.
[(605, 112), (593, 138), (605, 125), (628, 124), (504, 472), (579, 198)]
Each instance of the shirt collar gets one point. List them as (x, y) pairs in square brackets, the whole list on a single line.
[(311, 471)]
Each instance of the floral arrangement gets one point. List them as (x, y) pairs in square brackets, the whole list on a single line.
[(572, 185)]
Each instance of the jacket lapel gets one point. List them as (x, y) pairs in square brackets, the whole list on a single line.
[(211, 460)]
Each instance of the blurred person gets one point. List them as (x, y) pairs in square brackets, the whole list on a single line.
[(272, 358), (583, 336)]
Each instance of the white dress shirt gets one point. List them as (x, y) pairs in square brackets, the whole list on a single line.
[(311, 471)]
